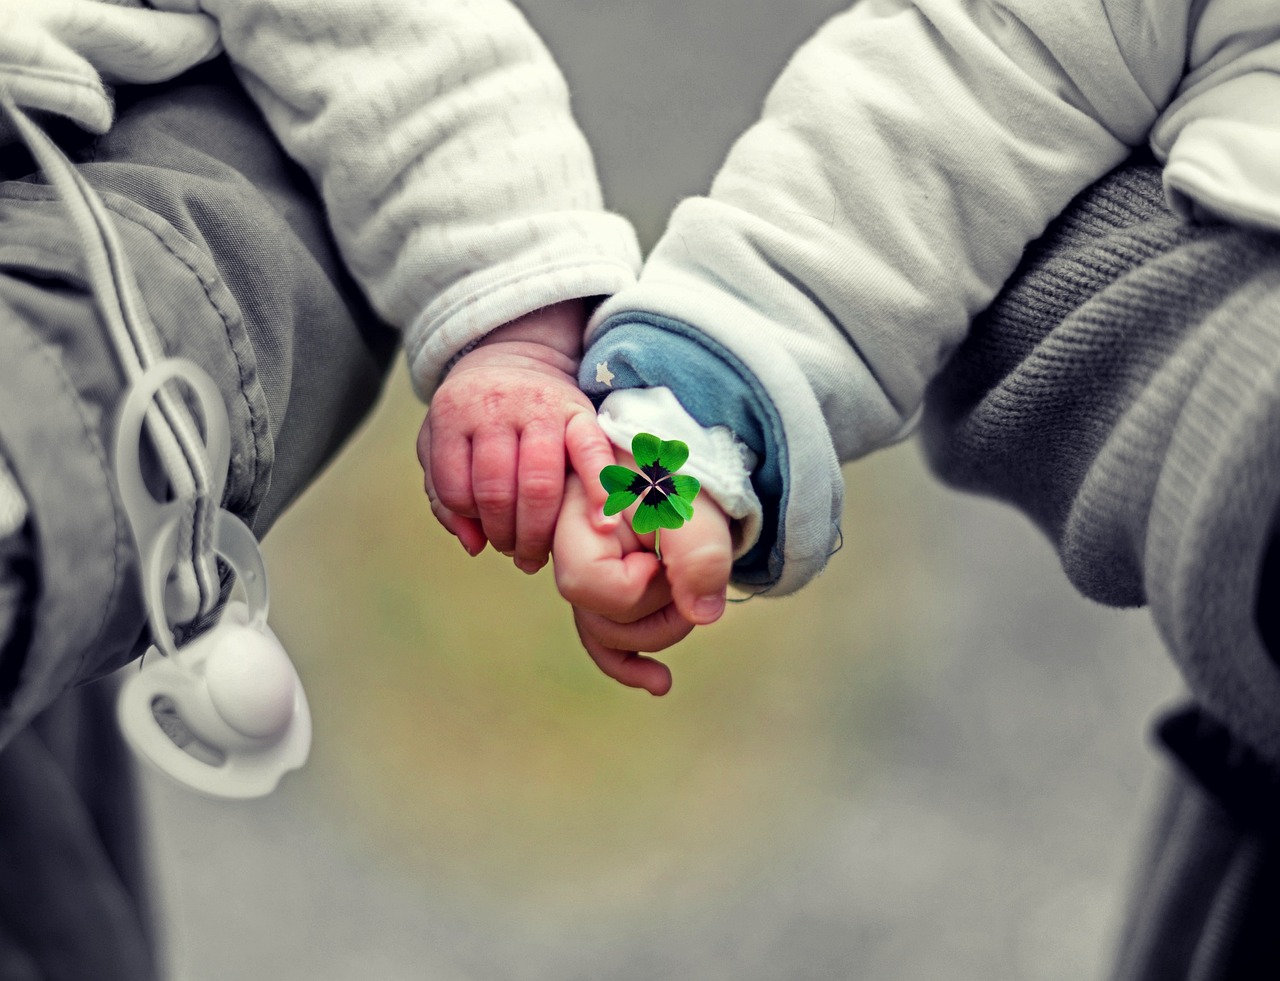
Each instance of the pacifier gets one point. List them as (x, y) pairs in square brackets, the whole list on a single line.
[(224, 714)]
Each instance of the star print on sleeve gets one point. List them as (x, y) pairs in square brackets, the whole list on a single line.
[(603, 375)]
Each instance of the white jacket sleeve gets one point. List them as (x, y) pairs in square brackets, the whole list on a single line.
[(58, 56), (904, 159), (1220, 137), (460, 190)]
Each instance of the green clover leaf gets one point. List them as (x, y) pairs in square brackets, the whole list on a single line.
[(666, 497)]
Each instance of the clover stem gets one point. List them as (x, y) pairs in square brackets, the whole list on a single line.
[(656, 549)]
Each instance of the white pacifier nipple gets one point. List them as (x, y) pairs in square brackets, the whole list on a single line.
[(251, 683), (225, 714)]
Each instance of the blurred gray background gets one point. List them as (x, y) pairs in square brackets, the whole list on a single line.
[(933, 763)]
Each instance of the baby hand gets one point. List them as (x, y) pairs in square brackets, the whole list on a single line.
[(493, 444), (625, 600)]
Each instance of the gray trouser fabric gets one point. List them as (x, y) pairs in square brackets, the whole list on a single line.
[(1124, 392), (237, 270)]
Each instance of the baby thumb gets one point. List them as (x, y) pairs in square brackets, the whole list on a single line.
[(698, 557)]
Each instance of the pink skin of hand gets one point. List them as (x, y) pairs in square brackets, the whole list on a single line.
[(500, 430), (625, 600)]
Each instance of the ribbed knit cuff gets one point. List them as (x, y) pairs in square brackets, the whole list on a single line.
[(1212, 512), (1124, 391)]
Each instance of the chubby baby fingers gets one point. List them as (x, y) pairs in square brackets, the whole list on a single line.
[(495, 458), (445, 457), (467, 530), (627, 667), (657, 631), (590, 452), (625, 589), (540, 480)]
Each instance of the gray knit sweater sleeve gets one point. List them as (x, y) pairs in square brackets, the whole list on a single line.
[(1124, 392)]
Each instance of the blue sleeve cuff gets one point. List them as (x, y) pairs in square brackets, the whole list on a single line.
[(639, 350)]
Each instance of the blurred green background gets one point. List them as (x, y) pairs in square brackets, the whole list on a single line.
[(929, 763)]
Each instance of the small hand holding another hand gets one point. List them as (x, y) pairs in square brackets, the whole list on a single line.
[(625, 599), (493, 445)]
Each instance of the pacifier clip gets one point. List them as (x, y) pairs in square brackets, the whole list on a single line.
[(224, 713)]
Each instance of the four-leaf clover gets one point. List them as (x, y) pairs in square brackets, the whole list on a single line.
[(666, 497)]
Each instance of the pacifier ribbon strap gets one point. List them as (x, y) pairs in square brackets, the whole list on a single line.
[(170, 425)]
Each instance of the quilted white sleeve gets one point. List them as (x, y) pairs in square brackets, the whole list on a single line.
[(461, 192)]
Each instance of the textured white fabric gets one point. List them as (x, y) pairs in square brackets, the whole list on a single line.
[(722, 463), (56, 56), (904, 159), (460, 190)]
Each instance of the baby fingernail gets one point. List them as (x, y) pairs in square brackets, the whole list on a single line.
[(528, 566), (708, 607)]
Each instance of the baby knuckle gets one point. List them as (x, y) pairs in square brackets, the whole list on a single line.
[(705, 563), (495, 403), (542, 488), (454, 498), (493, 496), (571, 583)]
